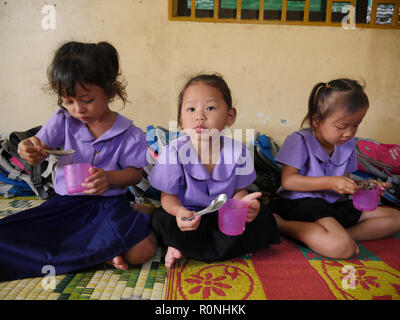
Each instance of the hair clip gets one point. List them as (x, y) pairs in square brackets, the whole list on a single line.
[(327, 85)]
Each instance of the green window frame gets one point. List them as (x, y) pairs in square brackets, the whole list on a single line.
[(366, 13)]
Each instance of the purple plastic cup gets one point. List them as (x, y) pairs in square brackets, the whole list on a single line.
[(366, 200), (75, 175), (232, 217)]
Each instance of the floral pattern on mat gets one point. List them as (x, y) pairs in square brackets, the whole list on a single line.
[(235, 279), (292, 271), (359, 280)]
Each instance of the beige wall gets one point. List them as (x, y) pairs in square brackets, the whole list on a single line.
[(270, 69)]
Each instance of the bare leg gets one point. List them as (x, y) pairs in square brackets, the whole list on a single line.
[(142, 251), (171, 256), (382, 222), (138, 254), (145, 208), (324, 236)]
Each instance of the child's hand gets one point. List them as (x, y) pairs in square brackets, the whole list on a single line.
[(253, 205), (382, 186), (188, 225), (31, 150), (343, 185), (97, 183)]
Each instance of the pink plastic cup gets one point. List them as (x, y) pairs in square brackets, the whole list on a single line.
[(366, 200), (232, 217), (75, 175)]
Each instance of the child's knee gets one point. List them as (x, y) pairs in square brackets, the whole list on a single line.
[(149, 246), (396, 218), (342, 249), (142, 251)]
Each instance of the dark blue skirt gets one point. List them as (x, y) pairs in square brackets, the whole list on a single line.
[(68, 233)]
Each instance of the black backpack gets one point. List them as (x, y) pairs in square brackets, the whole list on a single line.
[(38, 177), (267, 169)]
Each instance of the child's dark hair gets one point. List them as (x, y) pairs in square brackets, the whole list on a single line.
[(320, 104), (213, 80), (79, 63)]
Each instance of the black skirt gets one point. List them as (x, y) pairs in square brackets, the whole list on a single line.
[(312, 209), (207, 243)]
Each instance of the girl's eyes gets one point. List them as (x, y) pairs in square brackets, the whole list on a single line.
[(192, 109), (84, 101), (344, 128)]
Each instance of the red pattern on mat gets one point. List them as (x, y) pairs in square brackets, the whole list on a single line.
[(387, 250), (286, 274)]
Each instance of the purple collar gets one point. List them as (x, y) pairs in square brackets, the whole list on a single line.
[(82, 133), (340, 155), (192, 165)]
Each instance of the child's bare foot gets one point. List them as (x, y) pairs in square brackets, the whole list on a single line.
[(278, 219), (357, 249), (118, 262), (171, 256)]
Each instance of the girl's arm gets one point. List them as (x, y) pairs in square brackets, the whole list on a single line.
[(100, 180), (293, 181), (125, 177), (171, 204), (174, 207)]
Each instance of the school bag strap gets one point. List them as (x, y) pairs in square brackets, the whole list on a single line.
[(14, 139), (38, 177), (379, 159), (15, 174), (381, 162)]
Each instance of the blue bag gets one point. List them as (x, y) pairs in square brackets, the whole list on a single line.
[(267, 169)]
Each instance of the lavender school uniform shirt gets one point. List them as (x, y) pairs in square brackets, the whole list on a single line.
[(302, 151), (179, 171), (123, 145)]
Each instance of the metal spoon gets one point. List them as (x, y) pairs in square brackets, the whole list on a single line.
[(217, 203), (59, 152)]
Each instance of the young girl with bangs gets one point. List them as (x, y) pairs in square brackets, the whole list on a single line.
[(74, 232), (313, 206), (197, 167)]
